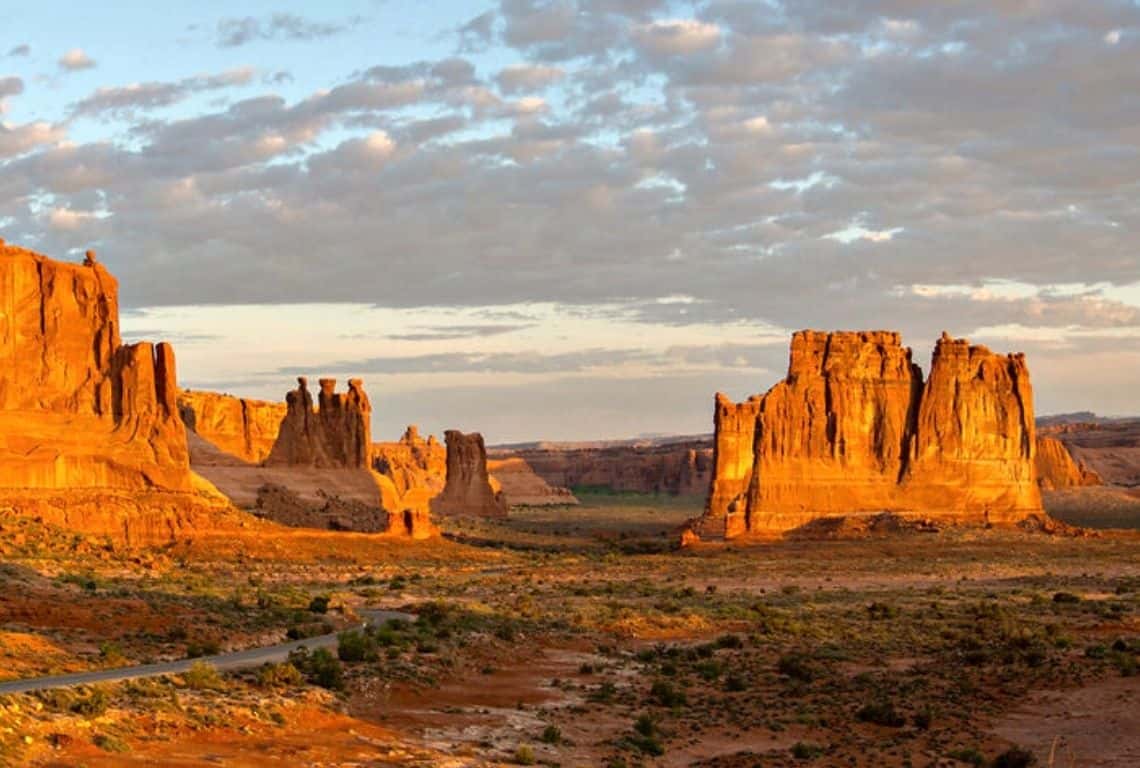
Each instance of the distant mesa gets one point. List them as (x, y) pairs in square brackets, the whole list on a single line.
[(854, 429), (1057, 470)]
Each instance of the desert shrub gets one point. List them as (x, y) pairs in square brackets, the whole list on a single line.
[(646, 736), (604, 693), (1066, 597), (202, 648), (92, 704), (667, 695), (524, 755), (109, 743), (319, 604), (806, 751), (319, 667), (202, 677), (797, 666), (729, 641), (354, 645), (551, 734), (279, 676), (1014, 757), (881, 712), (709, 670), (882, 611), (968, 755), (735, 684)]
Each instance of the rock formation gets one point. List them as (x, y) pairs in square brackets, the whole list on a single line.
[(854, 429), (89, 430), (336, 434), (1108, 447), (238, 426), (524, 487), (412, 463), (1056, 469), (677, 466), (469, 490)]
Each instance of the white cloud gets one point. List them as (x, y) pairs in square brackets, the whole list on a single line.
[(678, 36), (76, 59)]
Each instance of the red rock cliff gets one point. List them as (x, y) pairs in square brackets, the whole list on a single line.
[(238, 426), (78, 409), (336, 434), (854, 429), (469, 490), (1056, 468)]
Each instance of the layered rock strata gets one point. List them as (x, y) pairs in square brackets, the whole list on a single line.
[(854, 429), (336, 434), (469, 489), (241, 427), (90, 435), (1056, 469)]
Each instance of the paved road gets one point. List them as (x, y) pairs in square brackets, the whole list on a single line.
[(253, 657)]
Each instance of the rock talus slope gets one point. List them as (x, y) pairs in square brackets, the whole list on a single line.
[(854, 429)]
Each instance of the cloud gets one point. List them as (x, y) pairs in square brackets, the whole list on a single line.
[(453, 332), (234, 32), (678, 37), (526, 78), (20, 50), (75, 60), (125, 100)]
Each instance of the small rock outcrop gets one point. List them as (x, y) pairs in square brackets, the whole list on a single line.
[(239, 426), (1056, 469), (854, 430), (337, 434), (469, 490)]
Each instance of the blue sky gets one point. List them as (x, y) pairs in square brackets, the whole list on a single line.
[(577, 219)]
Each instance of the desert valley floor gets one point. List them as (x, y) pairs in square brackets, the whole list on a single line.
[(581, 637)]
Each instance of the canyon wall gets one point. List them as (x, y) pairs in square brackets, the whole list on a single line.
[(469, 489), (854, 429), (238, 426), (523, 487), (674, 466), (90, 436), (1057, 470)]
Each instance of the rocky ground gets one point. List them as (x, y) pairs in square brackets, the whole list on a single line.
[(580, 637)]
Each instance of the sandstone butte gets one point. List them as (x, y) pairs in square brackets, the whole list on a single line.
[(90, 436), (415, 468), (239, 426), (336, 434), (854, 429), (1057, 470), (469, 489)]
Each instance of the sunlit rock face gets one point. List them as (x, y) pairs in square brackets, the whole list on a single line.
[(78, 409), (336, 434), (1057, 470), (469, 489), (241, 427), (854, 429), (90, 436)]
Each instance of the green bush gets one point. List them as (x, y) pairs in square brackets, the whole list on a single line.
[(354, 645), (1015, 757), (319, 604), (319, 667), (202, 677), (664, 693), (279, 676), (805, 751), (797, 666)]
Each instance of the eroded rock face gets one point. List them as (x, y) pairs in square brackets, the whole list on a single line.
[(336, 434), (78, 409), (1056, 469), (524, 487), (854, 429), (676, 467), (241, 427), (469, 490)]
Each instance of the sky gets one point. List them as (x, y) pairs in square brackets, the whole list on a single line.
[(578, 219)]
